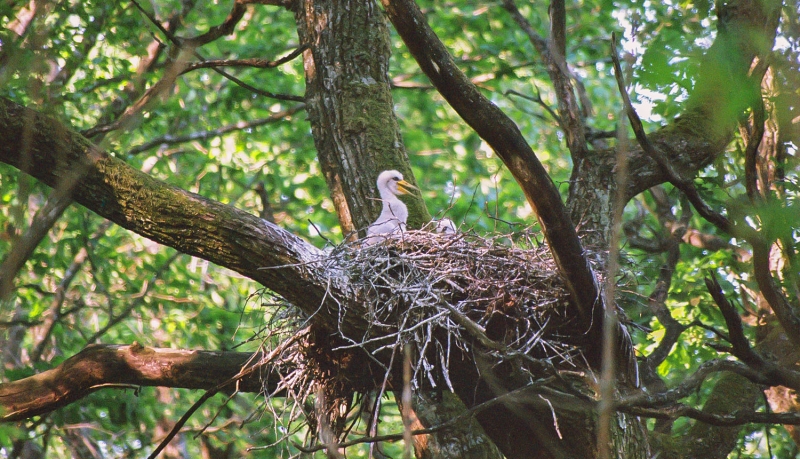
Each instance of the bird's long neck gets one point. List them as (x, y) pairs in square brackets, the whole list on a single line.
[(393, 207)]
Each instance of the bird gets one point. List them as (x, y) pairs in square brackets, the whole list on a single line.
[(394, 212), (444, 226)]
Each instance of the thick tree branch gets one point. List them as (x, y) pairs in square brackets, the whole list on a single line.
[(98, 367), (504, 137), (168, 215)]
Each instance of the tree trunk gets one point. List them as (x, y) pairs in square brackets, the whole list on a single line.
[(350, 107)]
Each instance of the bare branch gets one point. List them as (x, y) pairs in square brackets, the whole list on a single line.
[(720, 420), (656, 301), (290, 5), (509, 397), (136, 303), (751, 151), (539, 101), (180, 43), (54, 314), (253, 62), (98, 367), (741, 347), (690, 384), (552, 53), (244, 372), (226, 28), (203, 135)]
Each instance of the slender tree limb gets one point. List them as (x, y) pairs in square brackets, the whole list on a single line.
[(98, 367), (751, 151), (178, 42), (133, 92), (19, 322), (261, 92), (553, 54), (45, 218), (656, 301), (132, 115), (226, 28), (741, 347), (540, 102), (290, 5), (54, 314), (720, 420), (252, 62), (691, 384), (169, 139), (558, 27), (508, 397), (136, 303)]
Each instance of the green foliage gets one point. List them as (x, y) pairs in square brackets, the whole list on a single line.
[(85, 62)]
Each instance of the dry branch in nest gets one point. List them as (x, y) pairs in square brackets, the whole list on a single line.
[(445, 295), (420, 288)]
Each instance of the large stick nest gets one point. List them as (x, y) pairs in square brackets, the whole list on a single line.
[(440, 292), (445, 296)]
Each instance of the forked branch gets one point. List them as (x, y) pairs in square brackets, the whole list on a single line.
[(504, 137)]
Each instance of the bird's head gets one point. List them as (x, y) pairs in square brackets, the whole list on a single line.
[(392, 181)]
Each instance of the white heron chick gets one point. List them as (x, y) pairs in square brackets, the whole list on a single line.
[(394, 212), (445, 226)]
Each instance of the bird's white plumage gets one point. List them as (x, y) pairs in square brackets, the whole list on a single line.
[(394, 212), (445, 226)]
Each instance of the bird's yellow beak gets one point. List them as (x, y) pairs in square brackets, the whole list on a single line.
[(405, 188)]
